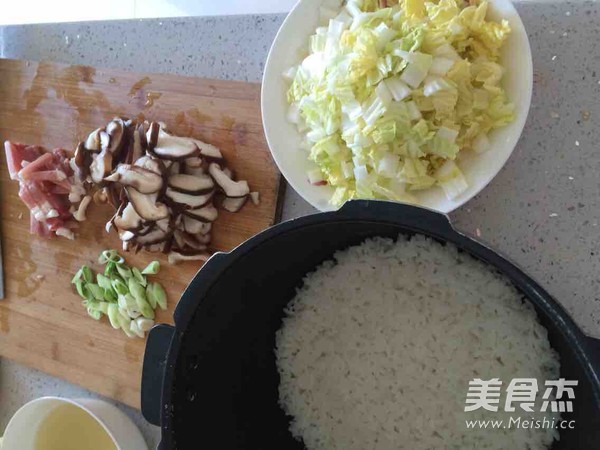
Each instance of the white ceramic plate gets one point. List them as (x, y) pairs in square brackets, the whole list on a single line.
[(284, 140)]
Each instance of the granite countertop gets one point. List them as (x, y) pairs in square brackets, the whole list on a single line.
[(542, 210)]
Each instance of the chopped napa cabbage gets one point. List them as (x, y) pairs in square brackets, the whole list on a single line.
[(389, 95), (451, 180)]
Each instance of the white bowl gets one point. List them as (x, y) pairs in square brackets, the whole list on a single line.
[(284, 140), (21, 431)]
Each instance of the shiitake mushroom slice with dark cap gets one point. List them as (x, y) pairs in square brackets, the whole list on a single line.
[(97, 140), (190, 184), (156, 236), (128, 220), (142, 180), (171, 147), (101, 166), (230, 188), (207, 213), (188, 201), (163, 185), (234, 204), (208, 152), (117, 132), (150, 163), (147, 205)]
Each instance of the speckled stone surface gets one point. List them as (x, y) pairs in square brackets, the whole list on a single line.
[(542, 210)]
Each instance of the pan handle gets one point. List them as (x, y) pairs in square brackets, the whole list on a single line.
[(155, 359), (413, 216), (594, 352)]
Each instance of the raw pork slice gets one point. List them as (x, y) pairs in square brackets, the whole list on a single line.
[(43, 178)]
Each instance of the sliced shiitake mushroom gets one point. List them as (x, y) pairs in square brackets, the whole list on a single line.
[(136, 146), (234, 204), (164, 224), (178, 238), (150, 163), (173, 147), (128, 220), (152, 135), (189, 184), (177, 256), (207, 213), (192, 225), (230, 187), (116, 130), (126, 236), (146, 205), (101, 166), (142, 180), (188, 200), (193, 243), (156, 236), (146, 229), (196, 171), (208, 151), (196, 161), (174, 168), (93, 141)]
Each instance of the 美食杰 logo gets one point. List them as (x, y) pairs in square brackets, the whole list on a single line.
[(521, 395)]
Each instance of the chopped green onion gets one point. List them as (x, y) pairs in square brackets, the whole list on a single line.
[(124, 271), (96, 291), (88, 276), (158, 295), (136, 289), (145, 308), (113, 315), (94, 313), (139, 277), (77, 276), (120, 287), (109, 269), (122, 293), (152, 268), (110, 295), (103, 281)]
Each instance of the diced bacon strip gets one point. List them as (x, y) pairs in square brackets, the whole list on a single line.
[(16, 154), (44, 187), (40, 164), (54, 176)]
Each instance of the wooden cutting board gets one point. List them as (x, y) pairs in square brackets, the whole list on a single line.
[(42, 321)]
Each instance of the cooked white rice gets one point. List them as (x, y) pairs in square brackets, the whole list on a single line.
[(379, 345)]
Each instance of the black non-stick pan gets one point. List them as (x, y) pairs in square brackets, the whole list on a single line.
[(211, 381)]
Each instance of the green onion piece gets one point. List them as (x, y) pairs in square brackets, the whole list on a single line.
[(159, 296), (139, 277), (124, 271), (109, 269), (88, 276), (124, 313), (103, 281), (83, 292), (77, 276), (96, 291), (94, 313), (150, 295), (113, 315), (144, 307), (110, 256), (125, 326), (103, 307), (110, 295), (136, 289), (152, 268), (120, 287)]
